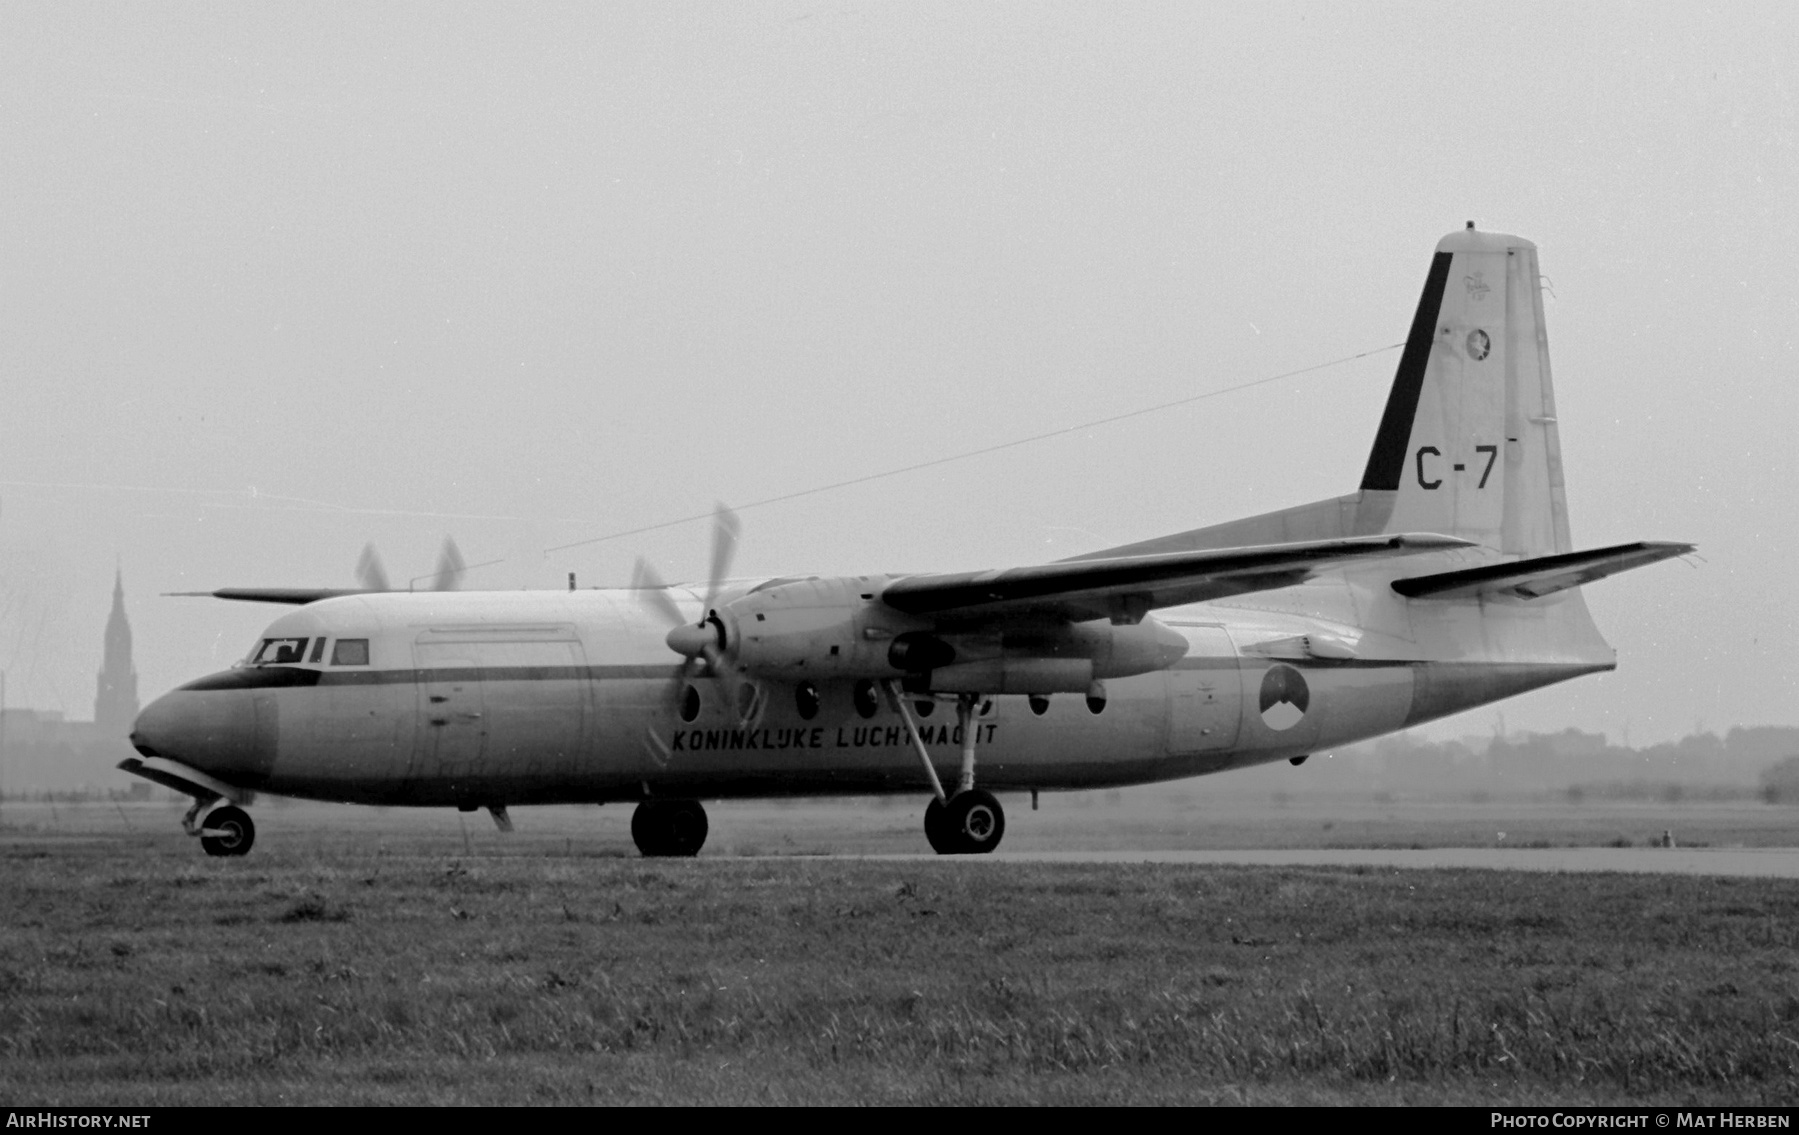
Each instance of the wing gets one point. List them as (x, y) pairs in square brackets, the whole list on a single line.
[(1535, 578), (294, 595), (1125, 587)]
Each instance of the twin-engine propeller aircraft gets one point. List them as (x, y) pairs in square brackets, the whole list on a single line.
[(1445, 582)]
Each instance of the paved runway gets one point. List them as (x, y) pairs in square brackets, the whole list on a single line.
[(1763, 862)]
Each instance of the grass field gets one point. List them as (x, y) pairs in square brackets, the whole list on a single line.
[(374, 961)]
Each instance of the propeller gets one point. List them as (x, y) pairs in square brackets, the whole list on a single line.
[(707, 638), (450, 568), (650, 589), (371, 573)]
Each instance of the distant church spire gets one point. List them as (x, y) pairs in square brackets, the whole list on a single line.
[(115, 703)]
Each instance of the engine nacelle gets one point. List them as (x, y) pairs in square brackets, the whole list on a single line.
[(1015, 676), (816, 628), (1054, 658), (790, 630)]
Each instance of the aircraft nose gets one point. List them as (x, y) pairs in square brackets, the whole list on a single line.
[(228, 734)]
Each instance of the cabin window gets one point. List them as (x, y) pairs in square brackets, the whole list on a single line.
[(276, 651), (350, 652), (866, 701), (318, 649), (805, 700)]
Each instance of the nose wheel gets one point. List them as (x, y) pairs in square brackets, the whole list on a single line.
[(665, 828), (227, 831)]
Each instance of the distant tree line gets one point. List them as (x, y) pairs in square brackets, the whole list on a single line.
[(1741, 762)]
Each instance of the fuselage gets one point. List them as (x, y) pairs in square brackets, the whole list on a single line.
[(500, 698)]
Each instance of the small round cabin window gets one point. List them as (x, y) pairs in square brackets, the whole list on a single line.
[(866, 701)]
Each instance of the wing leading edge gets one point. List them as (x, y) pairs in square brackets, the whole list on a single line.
[(1124, 588), (298, 596)]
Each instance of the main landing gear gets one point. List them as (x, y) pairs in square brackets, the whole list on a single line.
[(663, 828), (225, 831), (970, 822)]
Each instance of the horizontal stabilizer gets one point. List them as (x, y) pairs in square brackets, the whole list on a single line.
[(1543, 575), (1123, 588), (293, 595)]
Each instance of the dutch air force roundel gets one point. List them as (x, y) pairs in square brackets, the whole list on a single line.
[(1284, 697)]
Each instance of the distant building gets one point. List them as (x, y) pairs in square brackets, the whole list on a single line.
[(115, 702), (43, 753)]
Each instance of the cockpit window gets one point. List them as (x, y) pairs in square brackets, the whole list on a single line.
[(350, 652), (275, 651), (318, 649)]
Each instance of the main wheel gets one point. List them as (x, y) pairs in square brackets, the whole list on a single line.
[(972, 823), (977, 821), (669, 827), (936, 828), (232, 831)]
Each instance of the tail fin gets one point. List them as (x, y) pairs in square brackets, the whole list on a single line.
[(1468, 444)]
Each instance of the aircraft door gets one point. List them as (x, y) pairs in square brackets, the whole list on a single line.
[(452, 727), (539, 706), (1205, 695), (505, 712)]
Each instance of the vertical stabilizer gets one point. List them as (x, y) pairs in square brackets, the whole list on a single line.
[(1468, 444)]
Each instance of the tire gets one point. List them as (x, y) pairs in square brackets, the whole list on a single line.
[(237, 833), (936, 828), (669, 828), (972, 823), (977, 821)]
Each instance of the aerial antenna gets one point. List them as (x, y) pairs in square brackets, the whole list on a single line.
[(1004, 445)]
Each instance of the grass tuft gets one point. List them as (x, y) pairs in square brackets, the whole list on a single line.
[(313, 908)]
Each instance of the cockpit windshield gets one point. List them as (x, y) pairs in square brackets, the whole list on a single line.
[(278, 651)]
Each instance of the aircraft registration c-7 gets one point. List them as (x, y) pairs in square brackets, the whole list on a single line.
[(1446, 581)]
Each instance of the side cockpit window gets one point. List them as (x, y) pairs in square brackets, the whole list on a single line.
[(318, 649), (279, 651), (350, 652)]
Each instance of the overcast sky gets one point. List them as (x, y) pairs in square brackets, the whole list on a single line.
[(280, 280)]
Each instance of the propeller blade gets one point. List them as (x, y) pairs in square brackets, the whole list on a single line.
[(450, 568), (743, 698), (652, 591), (726, 528), (369, 571)]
